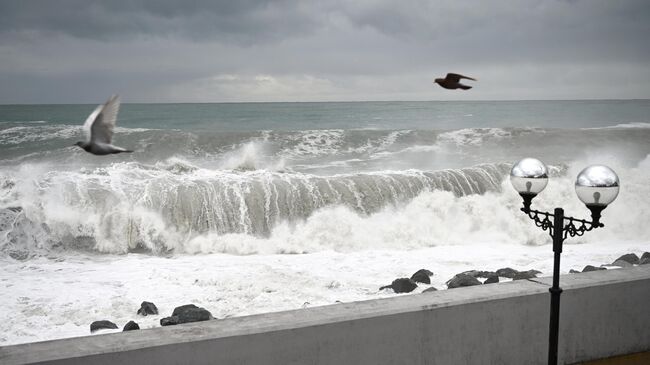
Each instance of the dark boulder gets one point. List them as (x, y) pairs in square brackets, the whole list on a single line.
[(428, 290), (462, 280), (131, 326), (181, 308), (147, 308), (480, 274), (524, 275), (102, 325), (492, 279), (169, 321), (422, 276), (592, 268), (645, 258), (191, 313), (401, 285), (507, 272), (630, 258), (574, 271), (621, 263)]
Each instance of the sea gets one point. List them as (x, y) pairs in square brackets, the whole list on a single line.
[(245, 208)]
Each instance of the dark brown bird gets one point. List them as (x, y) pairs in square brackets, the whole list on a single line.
[(451, 81)]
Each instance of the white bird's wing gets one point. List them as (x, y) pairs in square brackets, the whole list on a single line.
[(89, 121), (101, 122)]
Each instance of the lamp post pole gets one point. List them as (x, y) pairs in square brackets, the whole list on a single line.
[(554, 326), (596, 186)]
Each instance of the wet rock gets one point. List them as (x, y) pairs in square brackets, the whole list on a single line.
[(147, 308), (629, 258), (480, 274), (181, 308), (422, 276), (131, 326), (592, 268), (428, 290), (169, 321), (401, 285), (191, 313), (462, 280), (507, 272), (492, 279), (621, 263), (524, 275), (102, 325)]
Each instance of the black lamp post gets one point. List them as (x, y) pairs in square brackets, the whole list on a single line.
[(596, 186)]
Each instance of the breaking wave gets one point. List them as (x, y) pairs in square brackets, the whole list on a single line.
[(130, 206)]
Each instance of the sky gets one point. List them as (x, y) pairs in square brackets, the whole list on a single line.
[(82, 51)]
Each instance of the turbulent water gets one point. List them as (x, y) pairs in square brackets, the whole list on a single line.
[(360, 179)]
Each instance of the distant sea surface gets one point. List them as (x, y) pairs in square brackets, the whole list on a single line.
[(253, 207)]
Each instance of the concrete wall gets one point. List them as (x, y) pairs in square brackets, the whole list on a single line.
[(603, 314)]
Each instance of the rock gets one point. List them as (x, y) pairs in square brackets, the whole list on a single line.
[(645, 258), (592, 268), (102, 325), (524, 275), (428, 290), (190, 313), (194, 315), (177, 310), (492, 279), (507, 272), (422, 276), (462, 280), (621, 263), (480, 274), (169, 321), (574, 271), (131, 326), (147, 308), (629, 258), (401, 285)]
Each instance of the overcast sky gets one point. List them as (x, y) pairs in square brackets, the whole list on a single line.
[(81, 51)]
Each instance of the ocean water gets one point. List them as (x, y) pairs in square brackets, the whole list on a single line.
[(259, 207)]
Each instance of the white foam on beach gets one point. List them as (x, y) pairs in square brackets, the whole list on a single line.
[(80, 289)]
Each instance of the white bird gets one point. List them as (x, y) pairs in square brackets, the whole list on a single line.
[(99, 129)]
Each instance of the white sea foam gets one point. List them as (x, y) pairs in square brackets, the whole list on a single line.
[(473, 136), (636, 125), (26, 134)]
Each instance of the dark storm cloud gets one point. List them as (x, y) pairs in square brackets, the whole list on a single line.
[(325, 50), (246, 21)]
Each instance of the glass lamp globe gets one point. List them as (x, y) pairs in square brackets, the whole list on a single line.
[(597, 185), (529, 176)]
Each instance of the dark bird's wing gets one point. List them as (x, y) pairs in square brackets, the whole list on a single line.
[(456, 77), (101, 122)]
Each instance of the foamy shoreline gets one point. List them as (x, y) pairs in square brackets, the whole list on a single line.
[(58, 297)]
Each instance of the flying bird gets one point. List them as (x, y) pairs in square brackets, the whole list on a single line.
[(99, 129), (451, 81)]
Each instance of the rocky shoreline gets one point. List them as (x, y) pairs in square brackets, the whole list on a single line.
[(191, 313)]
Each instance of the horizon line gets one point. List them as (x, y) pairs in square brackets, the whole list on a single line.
[(336, 101)]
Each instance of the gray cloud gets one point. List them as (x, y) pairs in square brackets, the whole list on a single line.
[(242, 21), (337, 50)]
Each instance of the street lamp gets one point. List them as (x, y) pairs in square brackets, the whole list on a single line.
[(596, 186)]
